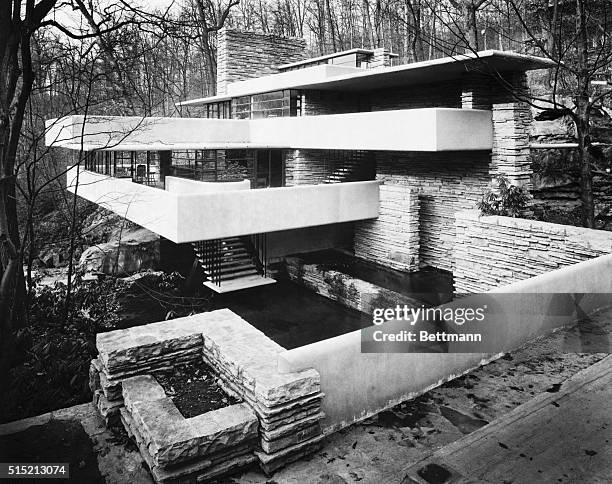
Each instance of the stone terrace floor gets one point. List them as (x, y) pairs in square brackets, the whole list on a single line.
[(379, 449)]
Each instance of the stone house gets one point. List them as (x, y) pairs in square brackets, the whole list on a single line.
[(294, 155), (300, 156)]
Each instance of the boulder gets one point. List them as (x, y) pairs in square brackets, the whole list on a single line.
[(134, 250)]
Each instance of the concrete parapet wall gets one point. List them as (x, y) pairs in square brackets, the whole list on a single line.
[(429, 129), (184, 185), (358, 385), (188, 217), (244, 212), (493, 251)]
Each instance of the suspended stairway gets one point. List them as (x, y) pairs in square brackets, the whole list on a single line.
[(233, 263)]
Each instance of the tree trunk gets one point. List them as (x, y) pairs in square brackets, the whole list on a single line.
[(12, 283), (586, 177), (471, 28), (332, 30), (582, 123), (582, 120), (211, 63)]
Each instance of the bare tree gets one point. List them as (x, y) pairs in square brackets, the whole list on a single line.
[(20, 23), (468, 10), (576, 36), (210, 19)]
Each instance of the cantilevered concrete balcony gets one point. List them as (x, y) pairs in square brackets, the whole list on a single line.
[(427, 129), (190, 211)]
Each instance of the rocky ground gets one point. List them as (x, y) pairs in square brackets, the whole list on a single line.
[(380, 448)]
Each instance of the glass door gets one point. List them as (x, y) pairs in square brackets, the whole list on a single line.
[(269, 170)]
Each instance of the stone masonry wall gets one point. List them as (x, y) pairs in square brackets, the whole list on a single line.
[(446, 183), (381, 58), (511, 121), (245, 55), (347, 290), (476, 91), (494, 251), (287, 405), (306, 167), (391, 240), (442, 94), (316, 103)]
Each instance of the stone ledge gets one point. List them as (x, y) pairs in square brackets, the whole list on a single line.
[(129, 346), (251, 357), (199, 470), (171, 438), (347, 290)]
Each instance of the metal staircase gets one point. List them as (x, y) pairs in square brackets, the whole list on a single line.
[(231, 263)]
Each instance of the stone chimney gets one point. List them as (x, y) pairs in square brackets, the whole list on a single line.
[(381, 58), (245, 55)]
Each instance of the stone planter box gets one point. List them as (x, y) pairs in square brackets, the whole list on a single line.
[(279, 421), (179, 449)]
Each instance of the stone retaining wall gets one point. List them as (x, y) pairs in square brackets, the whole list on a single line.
[(392, 240), (348, 291), (493, 251)]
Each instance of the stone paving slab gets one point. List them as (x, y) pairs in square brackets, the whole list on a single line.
[(143, 388), (292, 426), (298, 436), (151, 363)]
